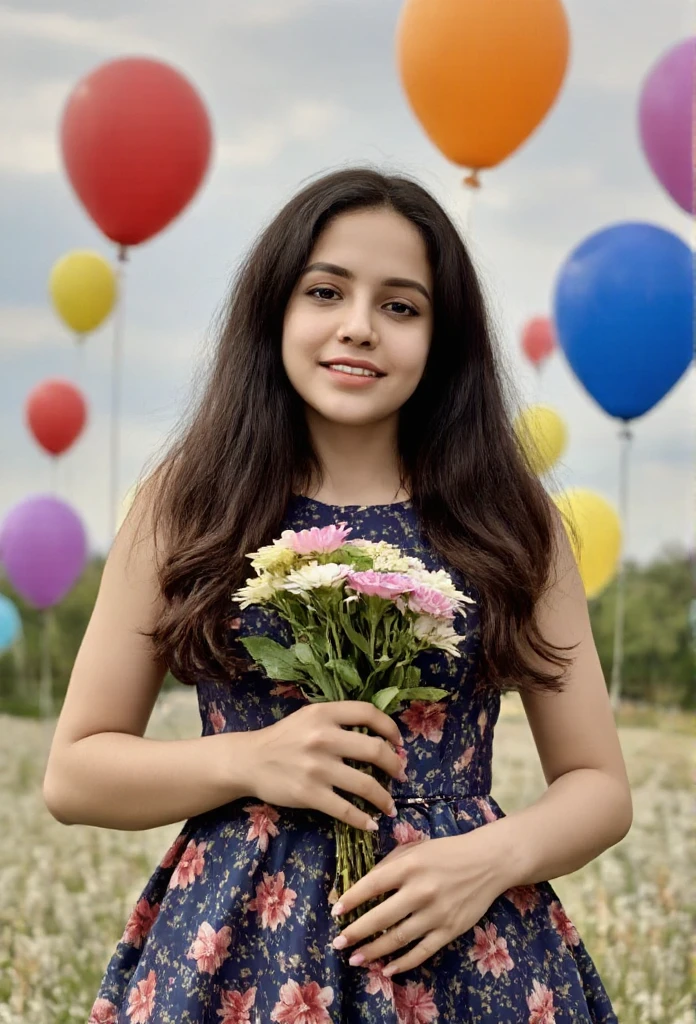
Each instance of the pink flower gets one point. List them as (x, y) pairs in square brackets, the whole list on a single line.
[(381, 584), (303, 1004), (465, 760), (402, 754), (273, 901), (210, 948), (189, 867), (141, 1001), (563, 925), (316, 540), (404, 833), (287, 690), (103, 1012), (414, 1003), (489, 952), (426, 719), (540, 1003), (217, 719), (426, 601), (235, 1006), (141, 920), (376, 982), (485, 808), (524, 897), (263, 819), (173, 852)]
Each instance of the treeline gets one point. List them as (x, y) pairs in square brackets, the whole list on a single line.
[(659, 659)]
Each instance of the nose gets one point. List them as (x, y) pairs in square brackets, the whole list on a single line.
[(358, 327)]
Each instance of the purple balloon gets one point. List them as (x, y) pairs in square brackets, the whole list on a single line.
[(44, 549), (666, 118)]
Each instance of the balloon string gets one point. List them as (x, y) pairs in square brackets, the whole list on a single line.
[(116, 388), (626, 436), (473, 185)]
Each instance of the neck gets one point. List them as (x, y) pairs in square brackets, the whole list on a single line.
[(359, 463)]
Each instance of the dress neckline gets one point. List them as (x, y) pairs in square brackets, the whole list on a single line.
[(322, 504)]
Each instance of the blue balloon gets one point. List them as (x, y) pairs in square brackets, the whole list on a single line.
[(10, 623), (624, 311)]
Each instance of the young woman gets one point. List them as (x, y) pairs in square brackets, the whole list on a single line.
[(236, 926)]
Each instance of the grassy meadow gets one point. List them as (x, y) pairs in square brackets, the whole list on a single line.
[(66, 892)]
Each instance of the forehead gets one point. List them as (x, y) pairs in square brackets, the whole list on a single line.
[(379, 241)]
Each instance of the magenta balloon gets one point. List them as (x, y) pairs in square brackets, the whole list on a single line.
[(44, 549), (666, 118)]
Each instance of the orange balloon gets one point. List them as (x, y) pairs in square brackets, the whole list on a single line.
[(481, 75)]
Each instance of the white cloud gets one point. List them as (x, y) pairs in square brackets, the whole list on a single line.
[(261, 143), (100, 35)]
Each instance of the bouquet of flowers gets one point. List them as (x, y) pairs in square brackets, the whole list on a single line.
[(360, 612)]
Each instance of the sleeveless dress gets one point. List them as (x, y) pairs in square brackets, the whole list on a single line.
[(234, 926)]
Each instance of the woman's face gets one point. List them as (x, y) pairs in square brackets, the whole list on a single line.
[(364, 295)]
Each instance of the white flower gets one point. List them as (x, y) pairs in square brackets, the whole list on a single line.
[(442, 582), (309, 577), (438, 634), (258, 590)]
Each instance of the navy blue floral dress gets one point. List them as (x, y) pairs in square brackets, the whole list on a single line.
[(234, 925)]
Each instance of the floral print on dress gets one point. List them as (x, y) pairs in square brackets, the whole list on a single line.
[(234, 926)]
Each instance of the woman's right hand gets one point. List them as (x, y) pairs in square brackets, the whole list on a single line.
[(298, 761)]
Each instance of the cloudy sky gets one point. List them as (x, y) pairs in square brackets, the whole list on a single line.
[(296, 87)]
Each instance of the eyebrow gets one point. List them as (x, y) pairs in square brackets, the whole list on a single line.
[(390, 282)]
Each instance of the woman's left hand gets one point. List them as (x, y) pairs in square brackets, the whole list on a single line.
[(446, 885)]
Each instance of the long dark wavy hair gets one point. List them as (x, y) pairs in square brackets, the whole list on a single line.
[(234, 463)]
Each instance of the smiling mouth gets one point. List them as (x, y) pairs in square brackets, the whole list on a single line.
[(360, 373)]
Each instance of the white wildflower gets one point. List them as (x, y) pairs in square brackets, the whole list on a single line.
[(311, 576), (259, 590), (438, 634)]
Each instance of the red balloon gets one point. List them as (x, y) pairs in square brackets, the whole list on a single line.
[(538, 339), (136, 142), (56, 414)]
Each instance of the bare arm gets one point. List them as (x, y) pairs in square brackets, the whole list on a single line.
[(101, 770), (587, 807)]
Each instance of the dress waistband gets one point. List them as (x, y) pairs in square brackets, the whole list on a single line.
[(434, 798)]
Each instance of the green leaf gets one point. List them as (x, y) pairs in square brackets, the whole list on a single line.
[(278, 661), (304, 654), (423, 693), (413, 677), (347, 672), (355, 638), (396, 678), (383, 698)]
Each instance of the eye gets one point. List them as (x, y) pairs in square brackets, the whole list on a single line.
[(410, 310), (321, 288)]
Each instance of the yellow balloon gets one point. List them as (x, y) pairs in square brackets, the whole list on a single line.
[(597, 546), (82, 285), (542, 435)]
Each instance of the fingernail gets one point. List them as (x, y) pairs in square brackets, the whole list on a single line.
[(340, 943), (393, 812), (337, 910), (373, 826), (356, 960)]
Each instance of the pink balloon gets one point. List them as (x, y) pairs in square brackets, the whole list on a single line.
[(666, 119), (43, 548)]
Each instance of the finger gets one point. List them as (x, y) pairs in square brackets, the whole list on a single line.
[(338, 807), (362, 712), (381, 879), (373, 750), (375, 922), (352, 780), (396, 938), (430, 944)]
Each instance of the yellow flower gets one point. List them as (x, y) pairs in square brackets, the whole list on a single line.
[(275, 558)]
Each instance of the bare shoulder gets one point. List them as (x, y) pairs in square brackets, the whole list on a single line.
[(116, 677), (575, 728)]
